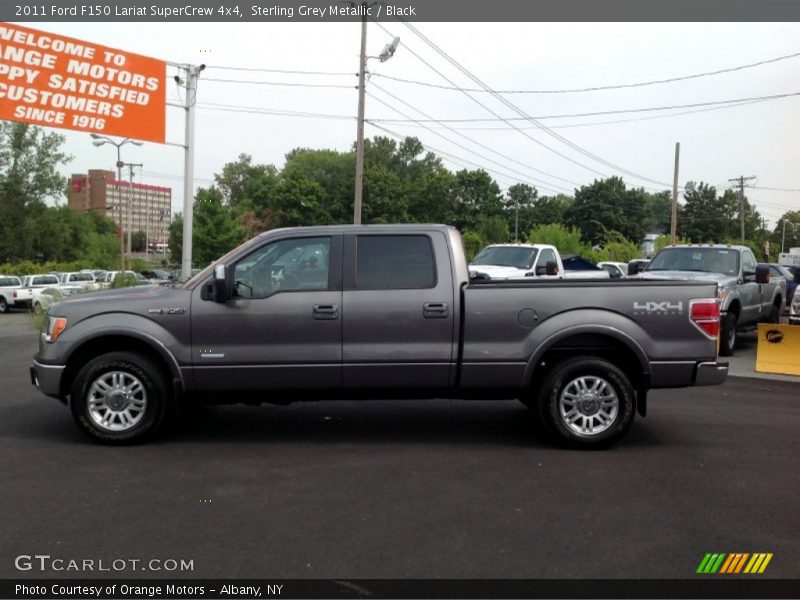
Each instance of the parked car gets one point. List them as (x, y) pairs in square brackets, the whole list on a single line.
[(46, 297), (777, 270), (615, 270), (580, 267), (385, 311), (746, 295), (637, 265), (156, 276)]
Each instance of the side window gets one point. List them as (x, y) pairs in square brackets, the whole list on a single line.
[(748, 262), (545, 256), (394, 262), (284, 266)]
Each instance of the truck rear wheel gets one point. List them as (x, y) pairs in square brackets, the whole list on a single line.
[(587, 402), (119, 398), (727, 335), (3, 305)]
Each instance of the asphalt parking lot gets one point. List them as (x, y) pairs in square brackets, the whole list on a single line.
[(438, 489)]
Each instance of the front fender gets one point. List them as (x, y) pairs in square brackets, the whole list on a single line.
[(173, 347)]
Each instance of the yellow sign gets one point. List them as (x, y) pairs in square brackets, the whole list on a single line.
[(778, 349)]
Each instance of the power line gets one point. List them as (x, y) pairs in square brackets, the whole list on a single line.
[(473, 141), (774, 189), (543, 127), (460, 160), (593, 123), (600, 87), (283, 71), (734, 102), (519, 174), (269, 111), (281, 83)]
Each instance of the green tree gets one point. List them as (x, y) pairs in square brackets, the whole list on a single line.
[(216, 229), (29, 163), (607, 206), (566, 240), (791, 238)]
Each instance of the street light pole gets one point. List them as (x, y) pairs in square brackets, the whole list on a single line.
[(99, 140), (387, 53), (360, 132)]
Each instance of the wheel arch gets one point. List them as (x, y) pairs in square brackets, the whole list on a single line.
[(121, 341)]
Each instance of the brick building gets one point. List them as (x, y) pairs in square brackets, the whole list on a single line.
[(100, 191)]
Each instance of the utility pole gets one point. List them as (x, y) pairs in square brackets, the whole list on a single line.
[(783, 236), (516, 220), (130, 200), (387, 53), (192, 75), (674, 221), (740, 180), (360, 131)]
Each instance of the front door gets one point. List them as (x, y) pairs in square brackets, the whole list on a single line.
[(283, 327)]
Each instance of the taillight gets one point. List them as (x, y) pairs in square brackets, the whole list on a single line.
[(705, 315)]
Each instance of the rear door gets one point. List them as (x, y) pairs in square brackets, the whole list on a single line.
[(398, 299), (752, 303)]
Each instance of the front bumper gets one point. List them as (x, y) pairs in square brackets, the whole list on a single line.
[(711, 373), (47, 378)]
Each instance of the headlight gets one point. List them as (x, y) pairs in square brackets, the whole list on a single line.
[(795, 309), (55, 326)]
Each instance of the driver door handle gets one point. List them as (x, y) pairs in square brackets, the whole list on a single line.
[(326, 312)]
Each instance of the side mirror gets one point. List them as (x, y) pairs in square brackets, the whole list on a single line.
[(635, 268), (551, 268), (217, 290), (762, 273)]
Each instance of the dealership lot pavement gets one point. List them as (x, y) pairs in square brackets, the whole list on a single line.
[(404, 489)]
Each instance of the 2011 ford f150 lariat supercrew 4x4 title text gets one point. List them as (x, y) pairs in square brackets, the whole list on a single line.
[(375, 312)]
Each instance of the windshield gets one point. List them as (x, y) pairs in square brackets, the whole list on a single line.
[(704, 260), (506, 256), (81, 277)]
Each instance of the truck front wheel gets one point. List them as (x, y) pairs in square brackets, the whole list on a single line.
[(119, 398), (588, 402)]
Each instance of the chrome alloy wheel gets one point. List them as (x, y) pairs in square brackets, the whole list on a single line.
[(588, 405), (117, 401)]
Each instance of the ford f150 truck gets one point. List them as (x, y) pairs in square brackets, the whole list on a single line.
[(747, 297), (375, 312)]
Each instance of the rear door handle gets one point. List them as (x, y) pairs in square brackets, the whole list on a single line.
[(326, 312), (435, 310)]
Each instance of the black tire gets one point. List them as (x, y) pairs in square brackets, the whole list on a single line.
[(611, 426), (727, 335), (3, 305), (775, 314), (132, 367)]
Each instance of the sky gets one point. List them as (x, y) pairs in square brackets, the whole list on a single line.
[(757, 139)]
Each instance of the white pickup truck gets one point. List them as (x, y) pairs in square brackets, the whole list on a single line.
[(12, 294), (524, 261)]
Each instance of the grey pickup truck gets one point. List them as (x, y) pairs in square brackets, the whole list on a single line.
[(384, 311), (746, 294)]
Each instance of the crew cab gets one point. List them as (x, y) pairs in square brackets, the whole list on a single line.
[(377, 311), (746, 296)]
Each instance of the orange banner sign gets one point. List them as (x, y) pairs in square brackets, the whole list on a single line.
[(57, 81)]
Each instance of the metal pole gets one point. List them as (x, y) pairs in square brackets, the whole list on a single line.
[(130, 206), (360, 132), (192, 73), (674, 221), (119, 210), (741, 204), (146, 225), (783, 235)]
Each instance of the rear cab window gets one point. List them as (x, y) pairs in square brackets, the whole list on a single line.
[(385, 262)]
